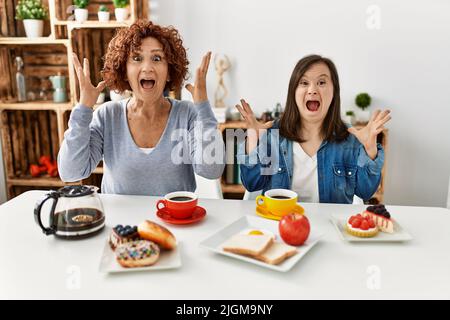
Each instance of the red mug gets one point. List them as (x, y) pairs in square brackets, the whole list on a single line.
[(179, 204)]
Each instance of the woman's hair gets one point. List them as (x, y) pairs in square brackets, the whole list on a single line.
[(333, 128), (128, 40)]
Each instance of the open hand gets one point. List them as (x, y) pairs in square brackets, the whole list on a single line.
[(249, 117), (255, 129), (368, 135), (198, 90), (88, 92)]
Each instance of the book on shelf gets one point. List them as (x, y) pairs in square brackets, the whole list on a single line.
[(237, 174), (232, 169), (229, 157)]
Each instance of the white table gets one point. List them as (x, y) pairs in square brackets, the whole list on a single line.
[(33, 265)]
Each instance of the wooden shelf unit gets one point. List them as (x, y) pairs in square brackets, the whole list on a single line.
[(29, 41), (36, 127), (231, 191)]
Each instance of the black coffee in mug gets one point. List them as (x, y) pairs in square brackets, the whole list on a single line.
[(181, 199), (280, 197)]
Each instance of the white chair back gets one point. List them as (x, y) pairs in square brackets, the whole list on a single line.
[(208, 189), (448, 195), (251, 195), (357, 200)]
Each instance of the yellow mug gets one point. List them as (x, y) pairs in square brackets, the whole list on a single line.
[(278, 202)]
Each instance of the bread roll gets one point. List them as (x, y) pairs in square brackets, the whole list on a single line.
[(152, 231)]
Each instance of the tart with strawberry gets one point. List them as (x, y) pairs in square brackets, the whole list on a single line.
[(381, 217), (360, 226)]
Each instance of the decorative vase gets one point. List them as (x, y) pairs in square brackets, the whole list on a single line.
[(81, 15), (121, 14), (103, 16), (349, 119), (34, 28), (363, 116)]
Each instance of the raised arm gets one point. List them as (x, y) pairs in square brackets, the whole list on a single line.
[(82, 148), (205, 140)]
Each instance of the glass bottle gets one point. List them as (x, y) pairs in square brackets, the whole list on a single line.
[(277, 112), (20, 81)]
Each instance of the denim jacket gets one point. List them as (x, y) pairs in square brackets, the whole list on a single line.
[(344, 169)]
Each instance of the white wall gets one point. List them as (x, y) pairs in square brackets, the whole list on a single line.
[(404, 65)]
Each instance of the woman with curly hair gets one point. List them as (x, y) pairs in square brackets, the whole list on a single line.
[(149, 144)]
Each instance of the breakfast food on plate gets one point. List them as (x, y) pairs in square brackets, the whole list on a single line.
[(277, 253), (251, 245), (361, 226), (152, 231), (381, 217), (140, 246), (140, 253), (257, 232), (294, 229), (121, 234), (260, 247)]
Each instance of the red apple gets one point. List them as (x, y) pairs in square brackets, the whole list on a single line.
[(294, 229)]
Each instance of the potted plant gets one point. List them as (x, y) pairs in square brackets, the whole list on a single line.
[(33, 14), (103, 13), (349, 117), (121, 9), (363, 101), (81, 13)]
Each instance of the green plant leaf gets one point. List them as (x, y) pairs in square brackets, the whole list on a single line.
[(121, 3), (363, 100), (81, 4), (31, 9)]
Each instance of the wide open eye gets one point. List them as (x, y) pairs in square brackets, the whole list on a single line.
[(136, 58), (156, 58)]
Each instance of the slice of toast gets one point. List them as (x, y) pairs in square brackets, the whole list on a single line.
[(276, 253), (251, 245)]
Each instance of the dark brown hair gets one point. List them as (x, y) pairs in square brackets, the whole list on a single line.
[(128, 40), (333, 128)]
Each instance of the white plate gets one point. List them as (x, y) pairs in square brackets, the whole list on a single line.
[(215, 241), (167, 260), (340, 220)]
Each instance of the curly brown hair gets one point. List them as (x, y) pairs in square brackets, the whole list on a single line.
[(128, 40)]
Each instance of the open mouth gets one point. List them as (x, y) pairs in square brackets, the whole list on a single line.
[(147, 84), (312, 105)]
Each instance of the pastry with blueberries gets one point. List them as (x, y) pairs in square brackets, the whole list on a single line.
[(381, 217), (123, 234)]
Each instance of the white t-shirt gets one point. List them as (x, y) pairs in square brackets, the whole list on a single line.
[(304, 178), (147, 150)]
